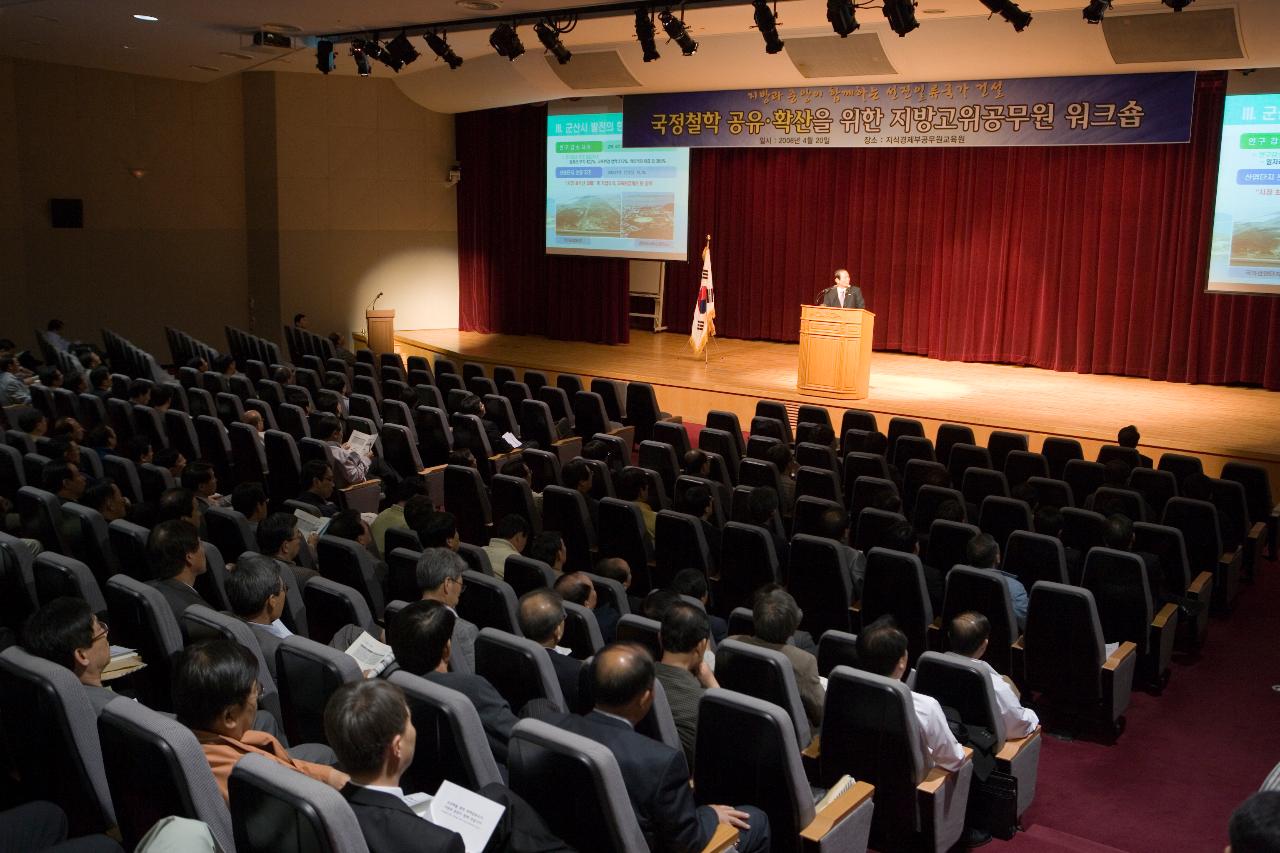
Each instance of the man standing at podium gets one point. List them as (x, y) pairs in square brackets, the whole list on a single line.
[(842, 294)]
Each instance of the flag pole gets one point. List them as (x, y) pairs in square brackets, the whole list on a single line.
[(706, 351)]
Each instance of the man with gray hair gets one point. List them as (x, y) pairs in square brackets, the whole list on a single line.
[(440, 579), (257, 593), (775, 617)]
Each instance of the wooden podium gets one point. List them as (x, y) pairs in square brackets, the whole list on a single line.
[(835, 351), (382, 330)]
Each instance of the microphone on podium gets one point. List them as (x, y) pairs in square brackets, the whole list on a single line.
[(822, 294), (374, 303)]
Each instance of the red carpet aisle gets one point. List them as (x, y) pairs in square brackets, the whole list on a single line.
[(1187, 758)]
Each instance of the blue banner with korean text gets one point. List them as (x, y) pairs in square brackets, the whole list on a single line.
[(1120, 109)]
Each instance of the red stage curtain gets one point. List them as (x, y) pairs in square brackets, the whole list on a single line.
[(506, 282), (1086, 259)]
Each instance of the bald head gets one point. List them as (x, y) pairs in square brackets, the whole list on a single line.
[(622, 680), (542, 616)]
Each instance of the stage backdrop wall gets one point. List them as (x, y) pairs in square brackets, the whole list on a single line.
[(506, 282), (1087, 259)]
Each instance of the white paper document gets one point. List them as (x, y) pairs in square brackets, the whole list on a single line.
[(360, 442), (511, 440), (309, 524), (372, 655), (455, 808)]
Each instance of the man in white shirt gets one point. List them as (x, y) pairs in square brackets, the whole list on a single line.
[(968, 634), (882, 650), (842, 294), (510, 536)]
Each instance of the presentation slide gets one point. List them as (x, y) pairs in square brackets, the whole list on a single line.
[(1246, 220), (603, 199)]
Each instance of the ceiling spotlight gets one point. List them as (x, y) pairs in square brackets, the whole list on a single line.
[(506, 42), (767, 22), (645, 31), (901, 15), (325, 57), (440, 46), (549, 35), (1175, 5), (150, 19), (1009, 10), (676, 31), (401, 50), (840, 14), (1095, 10), (375, 50), (361, 58)]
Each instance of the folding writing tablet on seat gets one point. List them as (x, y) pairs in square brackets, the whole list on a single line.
[(276, 809)]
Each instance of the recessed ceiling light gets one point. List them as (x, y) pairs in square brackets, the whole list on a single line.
[(479, 5), (205, 68), (148, 18), (127, 46)]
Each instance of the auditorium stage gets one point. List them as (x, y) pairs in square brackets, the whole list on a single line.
[(1214, 422)]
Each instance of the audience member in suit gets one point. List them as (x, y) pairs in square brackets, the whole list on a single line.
[(440, 579), (105, 497), (548, 547), (435, 528), (684, 673), (902, 537), (420, 638), (655, 775), (834, 525), (1129, 437), (542, 620), (762, 507), (317, 484), (775, 617), (693, 583), (216, 693), (369, 725), (882, 650), (279, 537), (176, 556), (842, 294), (67, 632), (202, 480), (348, 525), (968, 635), (257, 594), (616, 568), (1048, 521), (577, 475), (371, 729), (510, 535), (250, 500), (782, 458), (473, 405), (1118, 534), (68, 482), (697, 501), (40, 826), (1255, 824), (577, 588), (982, 552)]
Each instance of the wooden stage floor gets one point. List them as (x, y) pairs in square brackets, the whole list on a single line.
[(1214, 422)]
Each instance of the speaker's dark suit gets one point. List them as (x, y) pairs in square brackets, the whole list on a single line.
[(657, 781), (852, 298), (390, 826)]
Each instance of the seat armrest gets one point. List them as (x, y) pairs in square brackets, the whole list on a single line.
[(1162, 618), (679, 419), (363, 497), (814, 749), (723, 840), (627, 434), (1126, 649), (567, 448), (1015, 745), (837, 810), (1019, 644), (1202, 587)]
